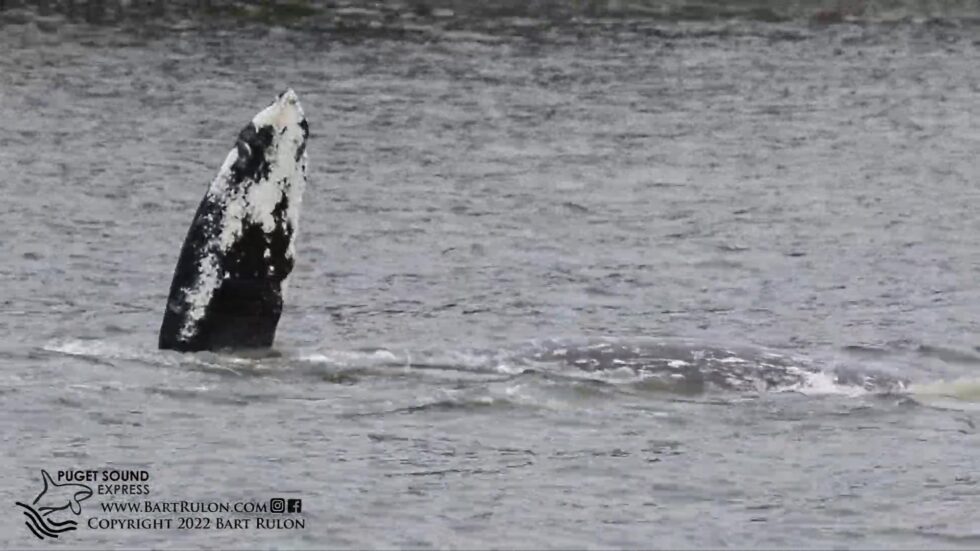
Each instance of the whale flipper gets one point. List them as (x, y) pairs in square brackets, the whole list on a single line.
[(228, 283)]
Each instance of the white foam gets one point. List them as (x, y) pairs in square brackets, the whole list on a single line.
[(350, 358), (95, 349), (822, 383), (508, 369)]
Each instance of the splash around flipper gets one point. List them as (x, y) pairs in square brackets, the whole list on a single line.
[(227, 289)]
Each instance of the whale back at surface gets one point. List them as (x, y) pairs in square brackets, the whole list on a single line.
[(227, 290)]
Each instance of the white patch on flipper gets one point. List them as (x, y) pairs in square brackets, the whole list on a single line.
[(198, 296), (251, 201)]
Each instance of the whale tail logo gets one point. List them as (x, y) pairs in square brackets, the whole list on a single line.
[(54, 497)]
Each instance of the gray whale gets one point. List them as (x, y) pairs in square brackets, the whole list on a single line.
[(227, 289)]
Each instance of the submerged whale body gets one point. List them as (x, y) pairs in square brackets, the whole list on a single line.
[(689, 366), (227, 290)]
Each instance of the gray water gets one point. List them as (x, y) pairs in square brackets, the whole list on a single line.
[(478, 204)]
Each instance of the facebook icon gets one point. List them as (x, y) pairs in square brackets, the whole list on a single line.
[(294, 506)]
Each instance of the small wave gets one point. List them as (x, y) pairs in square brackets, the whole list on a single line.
[(88, 348), (108, 351), (475, 404), (949, 355)]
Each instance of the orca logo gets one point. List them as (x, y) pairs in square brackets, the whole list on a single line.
[(52, 499)]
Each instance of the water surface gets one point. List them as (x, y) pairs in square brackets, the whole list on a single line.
[(476, 202)]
